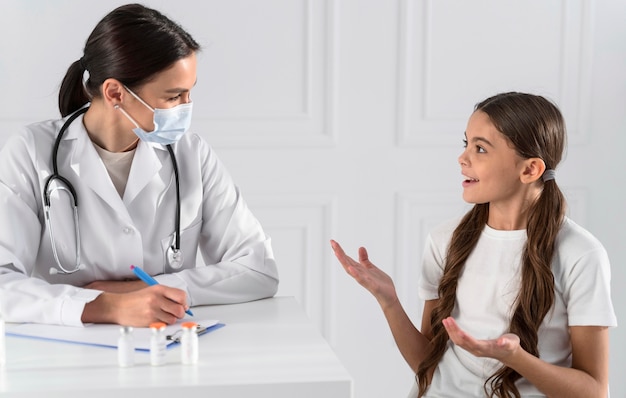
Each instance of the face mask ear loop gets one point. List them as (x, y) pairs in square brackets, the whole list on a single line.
[(138, 98), (119, 108)]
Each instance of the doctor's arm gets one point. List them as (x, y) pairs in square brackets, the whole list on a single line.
[(24, 298), (239, 263)]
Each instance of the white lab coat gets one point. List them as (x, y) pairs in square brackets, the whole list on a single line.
[(115, 233)]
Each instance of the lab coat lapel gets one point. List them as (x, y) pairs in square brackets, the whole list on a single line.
[(146, 164), (88, 166)]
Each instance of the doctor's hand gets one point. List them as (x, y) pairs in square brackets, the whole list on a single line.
[(158, 303), (368, 275), (502, 348)]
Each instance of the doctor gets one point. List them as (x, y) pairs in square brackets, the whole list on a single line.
[(121, 155)]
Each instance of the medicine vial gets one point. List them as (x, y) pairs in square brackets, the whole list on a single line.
[(158, 345), (3, 344), (189, 344), (126, 347)]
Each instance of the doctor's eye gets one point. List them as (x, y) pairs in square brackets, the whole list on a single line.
[(176, 98), (464, 143)]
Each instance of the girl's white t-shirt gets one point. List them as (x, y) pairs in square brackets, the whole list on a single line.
[(486, 292)]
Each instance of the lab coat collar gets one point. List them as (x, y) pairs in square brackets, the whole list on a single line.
[(147, 163), (86, 163)]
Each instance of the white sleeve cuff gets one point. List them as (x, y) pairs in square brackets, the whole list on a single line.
[(72, 306)]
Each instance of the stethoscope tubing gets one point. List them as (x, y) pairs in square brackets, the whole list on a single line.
[(176, 246), (72, 192), (55, 167)]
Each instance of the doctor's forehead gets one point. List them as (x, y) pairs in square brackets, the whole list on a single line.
[(179, 77)]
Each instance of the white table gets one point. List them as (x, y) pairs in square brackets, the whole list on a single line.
[(268, 348)]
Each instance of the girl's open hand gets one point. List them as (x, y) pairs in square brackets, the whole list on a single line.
[(367, 274), (501, 348)]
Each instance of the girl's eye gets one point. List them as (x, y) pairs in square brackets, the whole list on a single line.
[(176, 98), (479, 149)]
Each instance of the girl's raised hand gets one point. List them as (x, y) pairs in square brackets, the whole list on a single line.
[(367, 274)]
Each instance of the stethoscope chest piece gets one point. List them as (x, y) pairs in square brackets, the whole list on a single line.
[(175, 258)]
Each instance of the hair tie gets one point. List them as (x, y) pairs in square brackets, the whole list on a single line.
[(548, 175)]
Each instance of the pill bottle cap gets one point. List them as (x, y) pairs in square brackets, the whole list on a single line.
[(189, 325), (157, 325)]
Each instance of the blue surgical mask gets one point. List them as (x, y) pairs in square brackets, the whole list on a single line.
[(169, 124)]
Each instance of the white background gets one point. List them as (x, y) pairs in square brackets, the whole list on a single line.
[(344, 118)]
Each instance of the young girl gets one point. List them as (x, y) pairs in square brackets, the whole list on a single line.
[(117, 182), (517, 296)]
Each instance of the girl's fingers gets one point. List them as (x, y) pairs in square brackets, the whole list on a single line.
[(344, 259), (339, 253), (363, 255)]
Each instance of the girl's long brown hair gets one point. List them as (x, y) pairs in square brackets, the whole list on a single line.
[(535, 127)]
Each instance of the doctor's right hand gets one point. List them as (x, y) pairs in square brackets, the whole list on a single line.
[(138, 308)]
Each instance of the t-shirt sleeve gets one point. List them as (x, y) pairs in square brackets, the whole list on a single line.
[(587, 290)]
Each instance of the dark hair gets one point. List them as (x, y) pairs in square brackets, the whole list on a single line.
[(535, 128), (132, 44)]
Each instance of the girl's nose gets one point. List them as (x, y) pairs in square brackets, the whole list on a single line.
[(462, 159)]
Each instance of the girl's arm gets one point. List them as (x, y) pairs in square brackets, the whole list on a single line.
[(588, 376), (410, 341)]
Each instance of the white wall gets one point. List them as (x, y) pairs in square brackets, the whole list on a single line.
[(344, 118)]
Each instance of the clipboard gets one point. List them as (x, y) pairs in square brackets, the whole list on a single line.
[(104, 335)]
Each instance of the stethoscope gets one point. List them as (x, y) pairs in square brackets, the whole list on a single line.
[(174, 256)]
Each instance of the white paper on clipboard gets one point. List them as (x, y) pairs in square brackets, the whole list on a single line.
[(103, 335)]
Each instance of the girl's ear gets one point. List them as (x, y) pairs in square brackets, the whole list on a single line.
[(113, 91), (533, 170)]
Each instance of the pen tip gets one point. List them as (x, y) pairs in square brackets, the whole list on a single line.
[(132, 267)]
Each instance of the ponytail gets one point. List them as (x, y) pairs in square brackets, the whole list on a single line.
[(72, 94)]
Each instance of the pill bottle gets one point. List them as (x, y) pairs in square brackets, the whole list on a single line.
[(189, 343), (126, 347), (158, 344)]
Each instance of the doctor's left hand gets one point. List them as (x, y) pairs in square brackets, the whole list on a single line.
[(139, 308)]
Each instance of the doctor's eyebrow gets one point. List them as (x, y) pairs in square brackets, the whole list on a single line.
[(180, 89)]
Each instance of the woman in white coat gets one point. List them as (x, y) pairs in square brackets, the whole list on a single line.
[(130, 97)]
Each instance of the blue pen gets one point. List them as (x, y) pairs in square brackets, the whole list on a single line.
[(141, 274)]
